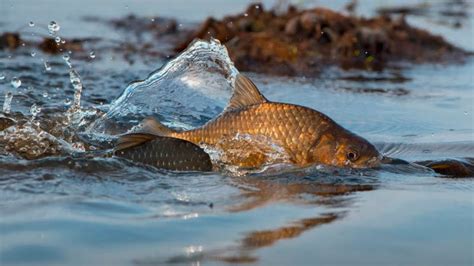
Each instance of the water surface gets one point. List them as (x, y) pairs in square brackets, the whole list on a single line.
[(73, 208)]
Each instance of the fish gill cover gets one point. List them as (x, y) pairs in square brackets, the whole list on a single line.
[(198, 83)]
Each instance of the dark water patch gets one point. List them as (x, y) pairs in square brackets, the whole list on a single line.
[(395, 78), (394, 92), (36, 254)]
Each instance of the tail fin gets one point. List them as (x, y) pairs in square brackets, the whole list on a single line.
[(133, 139), (152, 126), (150, 129)]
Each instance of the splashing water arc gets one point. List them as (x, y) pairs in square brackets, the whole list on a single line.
[(198, 82)]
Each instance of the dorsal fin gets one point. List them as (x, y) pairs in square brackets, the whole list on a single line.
[(133, 139), (152, 126), (245, 94)]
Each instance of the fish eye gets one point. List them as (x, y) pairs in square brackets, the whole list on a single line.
[(352, 156)]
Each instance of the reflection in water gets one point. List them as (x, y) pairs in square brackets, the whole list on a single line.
[(257, 192), (311, 192), (264, 238)]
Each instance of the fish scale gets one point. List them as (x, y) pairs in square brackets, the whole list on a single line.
[(168, 153), (273, 120)]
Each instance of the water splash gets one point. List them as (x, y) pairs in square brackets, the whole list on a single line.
[(8, 102), (47, 66), (34, 111), (67, 59), (198, 83), (77, 85), (16, 82)]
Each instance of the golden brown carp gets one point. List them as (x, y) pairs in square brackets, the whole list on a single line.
[(253, 131)]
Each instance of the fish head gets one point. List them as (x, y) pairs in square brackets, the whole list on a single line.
[(346, 149), (356, 152)]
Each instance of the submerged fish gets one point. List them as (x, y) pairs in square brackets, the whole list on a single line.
[(304, 135), (163, 152)]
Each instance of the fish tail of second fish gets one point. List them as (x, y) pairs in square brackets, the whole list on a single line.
[(163, 152), (150, 129), (152, 126)]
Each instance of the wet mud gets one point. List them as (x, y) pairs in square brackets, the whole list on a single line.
[(303, 42)]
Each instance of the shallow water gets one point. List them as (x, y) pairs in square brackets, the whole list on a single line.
[(72, 207)]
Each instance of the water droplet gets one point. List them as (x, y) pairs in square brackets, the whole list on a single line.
[(33, 53), (57, 39), (466, 113), (34, 110), (246, 15), (63, 41), (45, 94), (47, 66), (16, 82), (2, 76), (7, 103), (67, 101), (77, 84), (53, 27), (66, 58), (153, 20), (257, 7), (92, 55), (31, 24)]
